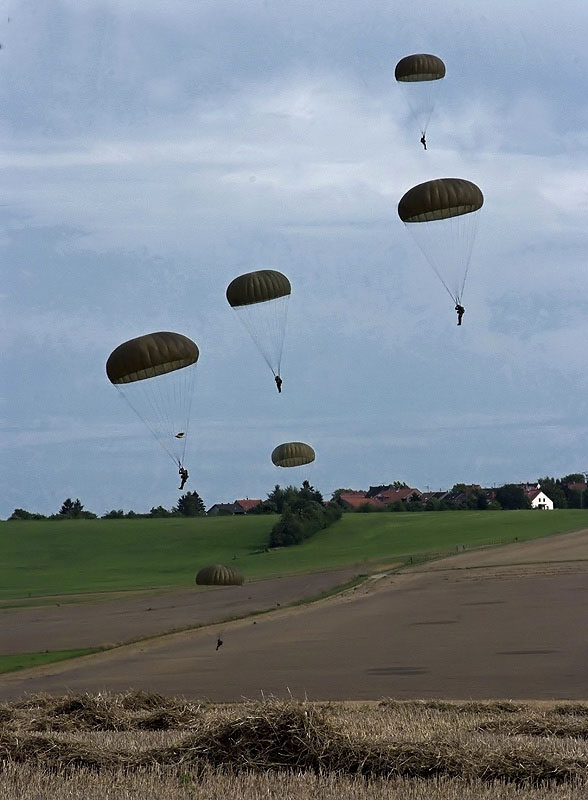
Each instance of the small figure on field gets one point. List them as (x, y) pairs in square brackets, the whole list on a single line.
[(183, 477), (279, 382), (219, 642), (460, 312)]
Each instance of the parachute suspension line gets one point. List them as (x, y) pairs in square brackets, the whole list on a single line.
[(470, 247), (190, 380), (447, 245), (454, 296), (266, 323), (421, 98), (163, 403), (145, 421), (280, 320)]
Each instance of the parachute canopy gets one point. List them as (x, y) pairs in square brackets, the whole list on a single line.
[(260, 299), (155, 374), (419, 67), (219, 575), (440, 199), (420, 75), (442, 217), (150, 355), (292, 454), (257, 287)]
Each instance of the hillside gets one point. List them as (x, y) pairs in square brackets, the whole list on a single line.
[(86, 556)]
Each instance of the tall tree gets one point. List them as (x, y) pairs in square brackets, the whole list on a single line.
[(511, 496), (308, 492), (190, 505), (71, 508), (553, 489), (160, 511)]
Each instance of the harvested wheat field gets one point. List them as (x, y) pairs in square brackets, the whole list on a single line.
[(505, 622), (139, 745)]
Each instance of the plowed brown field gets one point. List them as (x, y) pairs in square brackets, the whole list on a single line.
[(506, 622)]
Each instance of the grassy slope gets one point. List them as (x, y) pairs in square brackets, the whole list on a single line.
[(27, 660), (44, 558)]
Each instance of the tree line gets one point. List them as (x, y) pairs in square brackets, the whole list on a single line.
[(188, 505), (564, 492)]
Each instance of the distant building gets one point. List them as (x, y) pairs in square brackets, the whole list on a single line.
[(539, 499), (426, 496), (246, 505), (577, 486), (221, 508), (392, 495), (238, 507), (353, 500)]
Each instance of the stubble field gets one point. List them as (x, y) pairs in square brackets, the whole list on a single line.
[(139, 745)]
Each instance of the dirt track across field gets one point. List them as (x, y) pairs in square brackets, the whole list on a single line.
[(506, 622), (139, 615)]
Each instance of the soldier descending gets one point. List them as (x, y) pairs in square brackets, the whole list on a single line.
[(279, 383), (219, 642), (183, 477), (460, 312), (424, 141)]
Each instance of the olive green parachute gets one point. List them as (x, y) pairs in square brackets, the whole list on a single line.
[(150, 355), (292, 454), (219, 575), (257, 287), (440, 199), (419, 67), (419, 77), (155, 374), (260, 299), (442, 216)]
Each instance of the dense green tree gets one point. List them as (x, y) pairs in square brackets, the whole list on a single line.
[(554, 490), (160, 511), (477, 500), (511, 496), (73, 509), (70, 509), (573, 477), (21, 513), (287, 531), (308, 492), (190, 505), (119, 514)]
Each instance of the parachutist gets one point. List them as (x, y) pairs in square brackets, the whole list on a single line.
[(279, 383), (218, 643), (424, 141), (460, 312), (183, 477)]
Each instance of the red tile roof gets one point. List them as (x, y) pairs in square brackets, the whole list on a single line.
[(356, 499), (391, 495), (247, 504)]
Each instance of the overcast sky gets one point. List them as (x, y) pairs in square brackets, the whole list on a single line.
[(152, 151)]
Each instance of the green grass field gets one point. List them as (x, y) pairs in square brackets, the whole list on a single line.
[(26, 660), (77, 557)]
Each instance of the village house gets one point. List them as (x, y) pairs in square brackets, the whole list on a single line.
[(246, 505), (539, 499), (221, 508), (237, 507), (392, 495), (353, 500)]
